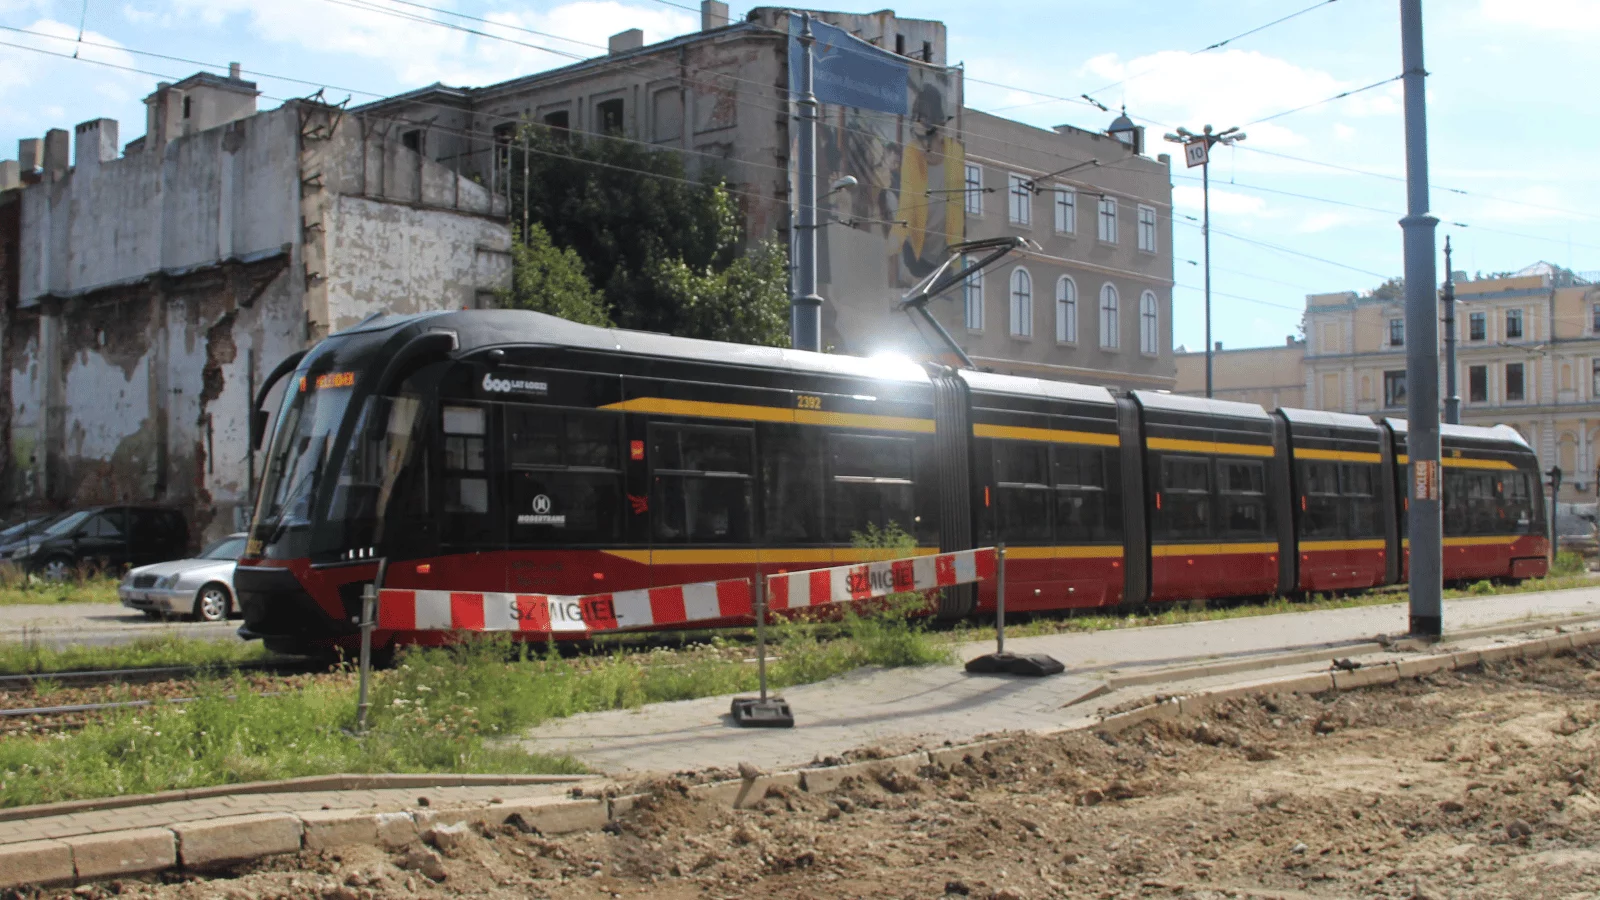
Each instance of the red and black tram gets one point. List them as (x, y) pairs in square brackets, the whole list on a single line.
[(500, 450)]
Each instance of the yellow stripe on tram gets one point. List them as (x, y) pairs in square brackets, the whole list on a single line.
[(1464, 462), (1021, 433), (706, 409), (1213, 447), (1478, 541), (1101, 551), (1318, 546), (1336, 455), (766, 556), (1161, 550)]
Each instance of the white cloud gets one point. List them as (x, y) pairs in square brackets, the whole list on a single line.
[(1189, 196), (419, 47), (23, 71)]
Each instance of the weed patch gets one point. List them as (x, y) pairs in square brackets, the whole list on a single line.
[(30, 657), (18, 588)]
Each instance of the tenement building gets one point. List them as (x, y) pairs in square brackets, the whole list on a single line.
[(1089, 301)]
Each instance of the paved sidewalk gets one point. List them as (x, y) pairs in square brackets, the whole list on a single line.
[(62, 624), (942, 703)]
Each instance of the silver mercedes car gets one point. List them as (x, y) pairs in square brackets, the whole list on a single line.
[(201, 588)]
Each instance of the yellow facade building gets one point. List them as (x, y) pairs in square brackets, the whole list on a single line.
[(1527, 355)]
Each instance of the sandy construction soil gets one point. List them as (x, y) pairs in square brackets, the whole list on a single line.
[(1477, 784)]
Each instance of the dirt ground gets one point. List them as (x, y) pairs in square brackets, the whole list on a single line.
[(1463, 785)]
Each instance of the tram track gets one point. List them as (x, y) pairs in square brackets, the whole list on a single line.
[(156, 674)]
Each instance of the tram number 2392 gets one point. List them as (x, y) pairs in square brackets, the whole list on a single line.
[(807, 401)]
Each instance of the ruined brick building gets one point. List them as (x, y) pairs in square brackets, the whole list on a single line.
[(146, 295)]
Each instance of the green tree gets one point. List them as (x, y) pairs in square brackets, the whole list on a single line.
[(1393, 289), (550, 279), (659, 242), (745, 303)]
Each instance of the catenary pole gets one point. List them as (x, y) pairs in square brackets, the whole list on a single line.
[(1205, 231), (1422, 346), (1452, 400), (805, 307)]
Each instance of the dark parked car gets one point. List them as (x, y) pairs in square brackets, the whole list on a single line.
[(24, 527), (102, 537)]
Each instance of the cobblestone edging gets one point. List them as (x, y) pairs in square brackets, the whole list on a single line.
[(225, 841)]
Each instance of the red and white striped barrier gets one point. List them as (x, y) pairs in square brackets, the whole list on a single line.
[(402, 610), (842, 584), (424, 610)]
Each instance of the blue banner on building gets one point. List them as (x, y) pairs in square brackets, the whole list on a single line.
[(848, 71)]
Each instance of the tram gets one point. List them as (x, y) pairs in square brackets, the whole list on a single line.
[(510, 451)]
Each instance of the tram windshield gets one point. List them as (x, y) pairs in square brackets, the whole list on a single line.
[(308, 427)]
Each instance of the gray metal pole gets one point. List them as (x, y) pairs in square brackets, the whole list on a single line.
[(805, 307), (1452, 400), (369, 621), (761, 633), (1205, 231), (1422, 348)]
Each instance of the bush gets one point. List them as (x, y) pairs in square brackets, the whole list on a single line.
[(1568, 563)]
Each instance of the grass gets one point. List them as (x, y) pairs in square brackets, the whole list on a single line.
[(448, 709), (30, 657), (19, 588)]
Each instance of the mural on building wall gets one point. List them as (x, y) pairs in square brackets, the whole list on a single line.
[(888, 122)]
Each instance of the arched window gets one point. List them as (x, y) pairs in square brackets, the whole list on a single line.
[(972, 292), (1066, 310), (1108, 316), (1149, 324), (1021, 303)]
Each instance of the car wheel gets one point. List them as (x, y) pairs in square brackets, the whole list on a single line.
[(211, 603), (56, 568)]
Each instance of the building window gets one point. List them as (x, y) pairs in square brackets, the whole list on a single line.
[(609, 114), (1149, 324), (1513, 324), (1021, 303), (1067, 211), (1108, 219), (1594, 377), (504, 133), (1594, 319), (1108, 317), (974, 190), (1147, 229), (1477, 326), (188, 106), (412, 140), (1514, 387), (1394, 388), (1067, 311), (1021, 201), (1397, 332), (972, 296), (1478, 384), (560, 119)]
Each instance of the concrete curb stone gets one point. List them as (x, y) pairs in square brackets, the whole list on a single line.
[(328, 828), (35, 862), (122, 852), (950, 757), (1366, 676), (741, 794), (827, 780), (395, 829), (551, 815), (237, 838)]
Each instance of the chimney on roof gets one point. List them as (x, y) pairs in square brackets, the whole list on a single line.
[(97, 143), (713, 14), (30, 154), (1219, 347), (10, 174), (57, 146), (234, 71), (1288, 341), (623, 41)]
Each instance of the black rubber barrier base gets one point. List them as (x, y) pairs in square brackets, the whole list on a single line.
[(1037, 665), (754, 712)]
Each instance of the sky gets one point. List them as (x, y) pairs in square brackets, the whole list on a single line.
[(1511, 109)]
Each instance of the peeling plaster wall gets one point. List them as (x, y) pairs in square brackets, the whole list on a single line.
[(389, 257)]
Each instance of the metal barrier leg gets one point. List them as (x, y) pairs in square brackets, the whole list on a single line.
[(369, 621), (1000, 662), (763, 711)]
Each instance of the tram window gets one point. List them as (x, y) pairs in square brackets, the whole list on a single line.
[(1482, 503), (1022, 480), (1242, 486), (566, 483), (1517, 504), (871, 484), (464, 430), (538, 437), (702, 486), (1356, 484), (1321, 516), (1186, 496), (1080, 480), (791, 481)]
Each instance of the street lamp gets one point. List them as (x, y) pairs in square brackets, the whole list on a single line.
[(1197, 152)]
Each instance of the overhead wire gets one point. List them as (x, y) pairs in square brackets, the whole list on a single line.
[(1339, 96)]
